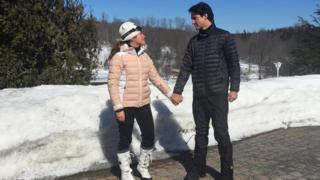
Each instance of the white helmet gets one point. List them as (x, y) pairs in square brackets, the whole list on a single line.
[(128, 30)]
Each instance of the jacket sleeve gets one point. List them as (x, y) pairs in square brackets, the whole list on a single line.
[(115, 68), (156, 79), (185, 70), (232, 59)]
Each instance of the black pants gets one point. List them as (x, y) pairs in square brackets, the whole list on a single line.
[(215, 107), (143, 115)]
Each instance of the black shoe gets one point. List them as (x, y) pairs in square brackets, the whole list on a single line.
[(226, 177), (201, 172), (191, 176), (227, 173)]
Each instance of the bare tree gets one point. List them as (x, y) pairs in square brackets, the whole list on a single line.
[(180, 23)]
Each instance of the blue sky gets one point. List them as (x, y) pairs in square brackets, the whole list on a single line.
[(232, 15)]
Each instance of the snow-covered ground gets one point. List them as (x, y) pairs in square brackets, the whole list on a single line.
[(50, 131), (101, 74), (248, 71)]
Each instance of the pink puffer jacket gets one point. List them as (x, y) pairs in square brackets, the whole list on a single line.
[(129, 73)]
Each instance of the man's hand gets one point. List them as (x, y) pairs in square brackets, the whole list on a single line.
[(176, 98), (120, 116), (233, 95)]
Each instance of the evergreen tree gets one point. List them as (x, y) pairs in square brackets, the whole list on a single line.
[(45, 42), (307, 55)]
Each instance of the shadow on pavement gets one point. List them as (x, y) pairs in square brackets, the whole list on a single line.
[(109, 137), (168, 135)]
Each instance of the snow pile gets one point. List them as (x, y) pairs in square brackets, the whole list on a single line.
[(50, 131)]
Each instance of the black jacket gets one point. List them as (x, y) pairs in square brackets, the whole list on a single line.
[(212, 60)]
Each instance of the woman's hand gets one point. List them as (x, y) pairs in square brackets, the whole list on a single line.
[(120, 116), (176, 99)]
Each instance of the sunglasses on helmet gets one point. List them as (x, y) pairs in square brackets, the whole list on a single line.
[(138, 28)]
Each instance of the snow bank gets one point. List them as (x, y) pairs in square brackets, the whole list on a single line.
[(50, 131)]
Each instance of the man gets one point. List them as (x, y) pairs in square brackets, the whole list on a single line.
[(211, 57)]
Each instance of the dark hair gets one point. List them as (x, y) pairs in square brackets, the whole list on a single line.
[(115, 49), (201, 9)]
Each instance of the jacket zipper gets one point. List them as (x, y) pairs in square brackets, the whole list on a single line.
[(140, 84), (204, 67)]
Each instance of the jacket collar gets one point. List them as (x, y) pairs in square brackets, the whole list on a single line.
[(205, 33), (130, 50)]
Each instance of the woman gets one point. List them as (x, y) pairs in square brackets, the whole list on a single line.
[(129, 70)]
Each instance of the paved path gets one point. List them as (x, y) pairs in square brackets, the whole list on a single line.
[(278, 155)]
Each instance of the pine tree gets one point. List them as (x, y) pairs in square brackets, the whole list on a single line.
[(45, 42), (307, 55)]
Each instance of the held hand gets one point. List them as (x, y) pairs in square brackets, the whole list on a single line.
[(120, 116), (233, 95), (176, 98)]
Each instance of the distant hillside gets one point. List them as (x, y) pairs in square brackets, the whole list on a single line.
[(262, 48)]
